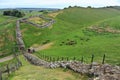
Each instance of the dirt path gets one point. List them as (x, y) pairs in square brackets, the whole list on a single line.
[(6, 58), (43, 47)]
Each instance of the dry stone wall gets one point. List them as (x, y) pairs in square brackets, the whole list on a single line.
[(19, 39), (47, 24), (96, 71), (35, 60)]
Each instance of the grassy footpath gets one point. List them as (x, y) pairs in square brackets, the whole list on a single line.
[(31, 72)]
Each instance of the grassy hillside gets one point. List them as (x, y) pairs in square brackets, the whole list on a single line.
[(86, 16), (7, 32), (73, 25), (7, 35)]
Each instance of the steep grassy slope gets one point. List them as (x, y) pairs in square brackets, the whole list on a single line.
[(7, 35), (70, 26), (87, 16)]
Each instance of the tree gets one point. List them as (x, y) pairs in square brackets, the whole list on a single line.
[(15, 13), (70, 7), (89, 7)]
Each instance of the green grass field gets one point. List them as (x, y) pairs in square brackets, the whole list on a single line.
[(72, 25)]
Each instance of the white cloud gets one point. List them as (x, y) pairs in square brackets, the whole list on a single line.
[(57, 3)]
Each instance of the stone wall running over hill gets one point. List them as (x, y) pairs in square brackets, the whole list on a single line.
[(19, 39), (94, 71)]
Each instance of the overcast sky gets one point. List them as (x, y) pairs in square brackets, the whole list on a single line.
[(56, 3)]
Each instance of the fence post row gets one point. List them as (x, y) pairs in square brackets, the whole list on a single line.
[(49, 58), (8, 69)]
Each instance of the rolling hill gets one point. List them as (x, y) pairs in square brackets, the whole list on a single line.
[(71, 34)]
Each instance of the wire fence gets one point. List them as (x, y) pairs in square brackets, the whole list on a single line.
[(82, 59)]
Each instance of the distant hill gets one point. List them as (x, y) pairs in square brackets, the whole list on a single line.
[(116, 7), (84, 16), (36, 9)]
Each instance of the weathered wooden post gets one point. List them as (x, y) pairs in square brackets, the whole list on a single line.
[(74, 58), (82, 59), (16, 65), (45, 58), (8, 69), (58, 59), (62, 58), (92, 58), (0, 75), (20, 63), (103, 59), (49, 58), (67, 59)]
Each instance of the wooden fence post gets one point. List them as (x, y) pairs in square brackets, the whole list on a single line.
[(74, 58), (0, 75), (58, 59), (45, 58), (103, 59), (50, 58), (8, 69), (67, 59), (92, 58), (62, 58), (20, 63), (82, 59)]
